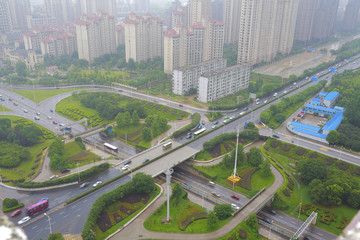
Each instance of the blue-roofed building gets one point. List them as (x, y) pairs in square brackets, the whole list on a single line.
[(316, 101), (330, 99), (323, 94), (333, 123), (305, 126), (310, 108)]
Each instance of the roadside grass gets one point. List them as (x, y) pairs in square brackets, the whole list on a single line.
[(234, 234), (301, 192), (75, 154), (127, 130), (177, 214), (213, 116), (102, 235), (40, 95), (4, 109), (219, 174), (24, 169), (109, 74)]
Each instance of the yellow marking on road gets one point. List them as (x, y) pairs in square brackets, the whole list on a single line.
[(324, 149), (259, 126), (1, 198), (290, 138), (203, 191)]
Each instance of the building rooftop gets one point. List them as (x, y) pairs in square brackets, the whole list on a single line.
[(320, 109), (323, 94), (305, 126), (331, 96), (225, 70), (201, 64), (315, 134), (334, 122)]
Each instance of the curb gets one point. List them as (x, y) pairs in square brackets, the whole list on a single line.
[(38, 189)]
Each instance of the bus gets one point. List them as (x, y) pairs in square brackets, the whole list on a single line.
[(111, 147), (167, 145), (199, 132), (37, 207)]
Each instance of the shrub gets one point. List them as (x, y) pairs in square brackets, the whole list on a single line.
[(30, 174), (286, 147), (209, 145), (286, 192), (195, 121), (300, 151), (274, 144), (242, 233), (223, 211), (10, 202), (55, 236), (313, 155), (191, 218), (35, 166), (357, 171), (291, 187), (291, 181), (246, 180), (342, 165), (329, 160)]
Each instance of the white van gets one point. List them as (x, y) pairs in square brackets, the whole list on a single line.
[(211, 183)]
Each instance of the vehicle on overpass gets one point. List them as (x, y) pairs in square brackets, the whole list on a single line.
[(167, 145), (111, 147)]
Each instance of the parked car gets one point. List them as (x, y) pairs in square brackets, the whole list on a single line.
[(146, 160), (85, 184), (245, 109), (53, 177), (37, 118), (216, 123), (24, 220), (188, 136), (97, 183), (235, 197), (16, 212), (124, 168), (265, 101), (213, 126), (65, 170), (234, 206)]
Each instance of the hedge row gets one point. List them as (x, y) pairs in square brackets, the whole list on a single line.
[(5, 209), (193, 217), (209, 145), (195, 121), (69, 179)]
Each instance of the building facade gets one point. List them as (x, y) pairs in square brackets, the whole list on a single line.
[(5, 19), (59, 45), (90, 7), (305, 20), (219, 84), (187, 78), (351, 16), (198, 9), (62, 10), (95, 36), (325, 18), (143, 37), (232, 20), (18, 11)]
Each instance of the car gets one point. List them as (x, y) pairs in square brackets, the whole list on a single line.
[(124, 168), (49, 117), (216, 123), (188, 136), (85, 184), (200, 127), (2, 99), (51, 110), (235, 197), (61, 124), (291, 87), (65, 170), (25, 110), (265, 101), (127, 162), (285, 92), (24, 220), (294, 83), (215, 194), (120, 90), (234, 206), (272, 211), (15, 104), (226, 120), (307, 238), (55, 122), (226, 117), (38, 113), (37, 118), (317, 74), (242, 113), (257, 103), (211, 183), (180, 105), (275, 94), (275, 136), (53, 177), (269, 221), (307, 78), (232, 117), (16, 212), (45, 198), (213, 127), (10, 99), (203, 122), (146, 160), (97, 183), (245, 109)]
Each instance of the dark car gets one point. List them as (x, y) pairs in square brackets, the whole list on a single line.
[(275, 136), (180, 105), (307, 238), (269, 221), (65, 170), (203, 122), (216, 123), (146, 160), (127, 162), (188, 136), (245, 109)]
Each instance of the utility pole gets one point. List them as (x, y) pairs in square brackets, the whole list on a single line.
[(168, 173), (236, 154)]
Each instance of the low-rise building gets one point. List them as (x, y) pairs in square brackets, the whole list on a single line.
[(216, 85)]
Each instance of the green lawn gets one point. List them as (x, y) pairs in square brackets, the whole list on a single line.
[(76, 154), (178, 213), (4, 109), (301, 192), (40, 95), (24, 169), (250, 234)]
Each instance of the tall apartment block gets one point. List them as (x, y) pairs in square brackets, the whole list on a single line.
[(142, 5), (179, 15), (198, 9), (186, 78), (187, 45), (90, 7), (219, 84), (217, 10), (62, 10), (39, 20), (120, 35), (266, 28), (325, 18), (95, 35), (18, 11), (305, 20), (58, 45), (5, 19), (143, 37), (351, 17), (232, 20)]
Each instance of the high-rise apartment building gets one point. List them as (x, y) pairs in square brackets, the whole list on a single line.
[(39, 20), (95, 35), (325, 18), (90, 7), (186, 78), (120, 35), (198, 9), (232, 20), (221, 83), (143, 37), (18, 11), (142, 6), (351, 17), (58, 45), (179, 15), (62, 10), (5, 19), (193, 44), (266, 28), (217, 10), (305, 20)]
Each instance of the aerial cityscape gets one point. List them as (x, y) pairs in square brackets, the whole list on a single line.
[(180, 119)]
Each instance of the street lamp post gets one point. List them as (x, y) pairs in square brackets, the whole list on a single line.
[(49, 222), (78, 171)]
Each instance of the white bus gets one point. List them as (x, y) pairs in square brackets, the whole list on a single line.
[(167, 145), (111, 147), (199, 132)]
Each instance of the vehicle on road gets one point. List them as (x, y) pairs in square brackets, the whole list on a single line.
[(275, 94), (10, 99), (124, 168), (275, 136), (307, 238), (213, 126), (226, 117), (180, 105), (234, 206), (197, 133), (61, 124), (257, 103), (267, 220), (24, 220), (216, 123), (16, 212), (55, 122), (167, 145), (211, 183), (49, 117), (38, 113), (37, 207), (51, 110), (127, 162), (265, 101), (65, 170), (15, 104), (85, 184), (226, 120), (188, 136), (25, 110), (109, 146), (232, 117), (97, 183), (235, 197), (145, 161), (37, 118), (2, 99), (291, 87), (285, 92), (242, 113), (203, 122), (53, 177), (215, 194)]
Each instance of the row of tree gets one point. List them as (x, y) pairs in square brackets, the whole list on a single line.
[(57, 156)]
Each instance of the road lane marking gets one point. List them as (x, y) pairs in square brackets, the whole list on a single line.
[(61, 213), (65, 216), (324, 149), (34, 227), (73, 207)]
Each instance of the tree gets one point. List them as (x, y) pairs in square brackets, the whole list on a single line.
[(143, 183), (265, 169), (254, 157), (135, 118), (312, 169), (252, 222), (127, 118), (146, 134), (21, 69), (176, 193), (228, 161), (280, 117), (55, 236), (223, 211), (131, 64), (354, 198), (318, 192), (333, 137), (120, 121), (212, 220), (334, 194)]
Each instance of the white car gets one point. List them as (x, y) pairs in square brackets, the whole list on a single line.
[(24, 220), (49, 117), (97, 183), (213, 126), (53, 177), (285, 92), (242, 113), (265, 101), (226, 120), (25, 110), (234, 206), (232, 117), (125, 167)]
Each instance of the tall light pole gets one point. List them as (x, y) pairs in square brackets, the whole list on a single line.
[(49, 222), (168, 173), (78, 171), (236, 153)]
